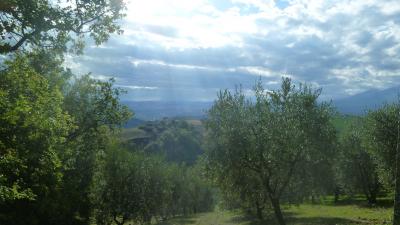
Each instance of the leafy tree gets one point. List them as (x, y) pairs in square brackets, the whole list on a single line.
[(383, 127), (117, 189), (95, 103), (56, 128), (177, 140), (358, 169), (96, 112), (200, 191), (130, 186), (54, 24), (50, 138), (189, 192), (32, 127), (49, 64), (280, 136), (245, 191), (134, 186)]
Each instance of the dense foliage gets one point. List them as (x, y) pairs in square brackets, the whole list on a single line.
[(63, 161), (54, 24), (357, 169), (275, 141), (133, 186), (47, 153), (383, 128), (33, 127), (59, 162), (177, 140)]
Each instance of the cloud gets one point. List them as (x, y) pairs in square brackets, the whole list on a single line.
[(140, 62), (255, 70), (132, 87), (191, 49)]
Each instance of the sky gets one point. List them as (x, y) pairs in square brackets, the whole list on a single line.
[(187, 50)]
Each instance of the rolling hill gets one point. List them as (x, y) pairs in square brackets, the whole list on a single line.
[(357, 104)]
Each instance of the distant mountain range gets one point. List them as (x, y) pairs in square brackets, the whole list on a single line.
[(154, 110), (359, 104)]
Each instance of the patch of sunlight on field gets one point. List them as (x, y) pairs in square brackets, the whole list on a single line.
[(305, 214), (217, 217), (341, 214)]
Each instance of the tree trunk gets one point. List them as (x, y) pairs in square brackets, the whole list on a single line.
[(259, 211), (337, 194), (372, 198), (396, 211), (278, 212), (312, 199)]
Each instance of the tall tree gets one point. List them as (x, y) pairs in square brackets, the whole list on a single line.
[(32, 128), (96, 112), (384, 130), (53, 24), (278, 135), (60, 136)]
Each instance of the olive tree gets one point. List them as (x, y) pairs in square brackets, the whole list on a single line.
[(54, 24), (358, 171), (278, 135), (383, 127), (96, 113)]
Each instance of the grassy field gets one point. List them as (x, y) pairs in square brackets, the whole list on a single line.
[(305, 214)]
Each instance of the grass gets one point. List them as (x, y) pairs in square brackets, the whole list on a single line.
[(327, 213), (341, 214), (129, 133)]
